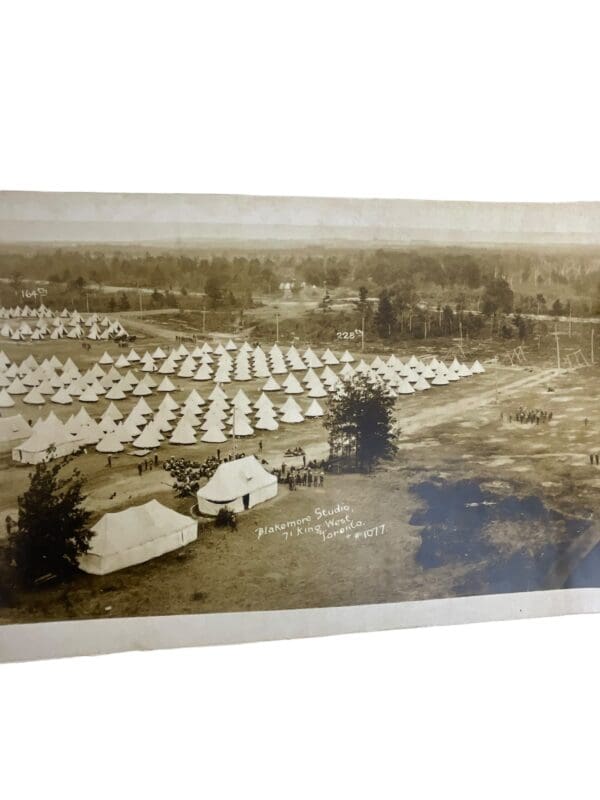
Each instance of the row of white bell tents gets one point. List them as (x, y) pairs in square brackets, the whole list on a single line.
[(43, 312), (88, 389), (24, 332)]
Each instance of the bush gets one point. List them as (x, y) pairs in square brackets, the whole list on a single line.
[(226, 518)]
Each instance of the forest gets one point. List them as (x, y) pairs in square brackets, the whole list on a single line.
[(559, 280)]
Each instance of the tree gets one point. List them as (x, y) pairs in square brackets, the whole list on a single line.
[(497, 296), (123, 302), (385, 318), (52, 531), (360, 419)]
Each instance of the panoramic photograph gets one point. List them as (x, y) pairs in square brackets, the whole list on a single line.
[(215, 404)]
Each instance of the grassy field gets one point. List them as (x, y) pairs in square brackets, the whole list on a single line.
[(377, 542)]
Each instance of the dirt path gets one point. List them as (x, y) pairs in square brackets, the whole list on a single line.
[(426, 419)]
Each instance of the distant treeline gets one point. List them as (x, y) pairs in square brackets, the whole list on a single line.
[(537, 276)]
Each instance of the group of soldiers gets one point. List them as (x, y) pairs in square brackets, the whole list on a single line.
[(145, 465), (188, 474), (312, 475), (531, 416)]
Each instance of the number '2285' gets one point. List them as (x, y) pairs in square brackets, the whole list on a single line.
[(349, 334)]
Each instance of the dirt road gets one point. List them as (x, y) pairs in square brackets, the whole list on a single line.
[(444, 413)]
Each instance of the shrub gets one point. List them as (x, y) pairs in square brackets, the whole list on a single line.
[(226, 518)]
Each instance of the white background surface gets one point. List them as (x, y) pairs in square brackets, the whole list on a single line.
[(482, 101)]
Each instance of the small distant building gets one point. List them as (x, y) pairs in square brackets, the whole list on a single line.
[(238, 485)]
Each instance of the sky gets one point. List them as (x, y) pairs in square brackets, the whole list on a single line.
[(39, 217)]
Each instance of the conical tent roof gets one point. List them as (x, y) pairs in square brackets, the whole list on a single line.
[(477, 369), (141, 390), (292, 385), (121, 362), (113, 412), (115, 393), (147, 439), (142, 407), (213, 435), (203, 373), (329, 358), (166, 385), (183, 433), (62, 397), (110, 443), (421, 384), (191, 417), (240, 425), (187, 370), (130, 379), (6, 400), (106, 358), (161, 422), (404, 387), (266, 421), (212, 421), (34, 398), (130, 426), (132, 356), (194, 400), (159, 353), (441, 378), (168, 403), (148, 381), (17, 387), (318, 390), (347, 357), (241, 400), (217, 392), (314, 410), (290, 405), (311, 359), (88, 396), (168, 367), (263, 402), (271, 385)]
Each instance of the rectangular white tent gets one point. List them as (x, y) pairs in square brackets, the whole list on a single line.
[(239, 485), (135, 535), (37, 448)]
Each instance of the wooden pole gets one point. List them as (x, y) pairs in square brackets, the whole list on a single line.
[(592, 347), (556, 335)]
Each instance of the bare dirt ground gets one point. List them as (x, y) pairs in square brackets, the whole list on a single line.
[(377, 548)]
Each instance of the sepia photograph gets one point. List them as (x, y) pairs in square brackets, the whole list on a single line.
[(215, 404)]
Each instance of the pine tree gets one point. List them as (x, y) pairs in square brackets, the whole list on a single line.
[(360, 419), (52, 530), (385, 318)]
